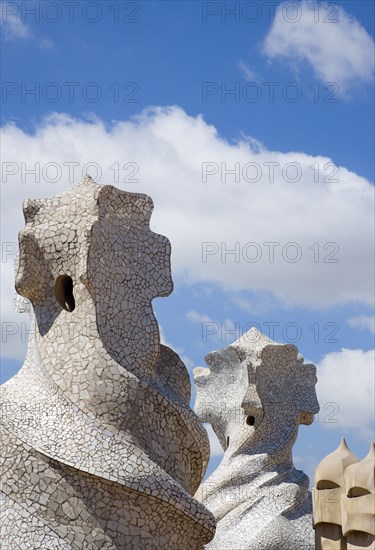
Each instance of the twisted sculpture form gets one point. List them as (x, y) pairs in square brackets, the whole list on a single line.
[(255, 394), (100, 447)]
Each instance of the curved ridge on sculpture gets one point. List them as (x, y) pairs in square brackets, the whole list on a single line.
[(99, 405), (255, 394)]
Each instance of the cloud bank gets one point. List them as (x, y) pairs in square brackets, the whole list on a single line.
[(292, 225), (335, 44), (346, 391)]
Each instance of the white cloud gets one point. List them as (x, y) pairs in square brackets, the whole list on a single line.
[(196, 317), (248, 72), (12, 25), (170, 147), (224, 332), (45, 43), (14, 28), (363, 322), (334, 43), (255, 304), (345, 391)]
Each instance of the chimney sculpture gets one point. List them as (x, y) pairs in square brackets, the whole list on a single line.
[(255, 394), (344, 501), (100, 447)]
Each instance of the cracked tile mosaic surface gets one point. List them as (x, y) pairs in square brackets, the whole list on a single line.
[(100, 447), (255, 393)]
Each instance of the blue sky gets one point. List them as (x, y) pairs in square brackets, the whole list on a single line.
[(171, 97)]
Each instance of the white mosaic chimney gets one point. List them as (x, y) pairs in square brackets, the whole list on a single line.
[(100, 447)]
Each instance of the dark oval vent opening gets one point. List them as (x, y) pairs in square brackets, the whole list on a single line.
[(355, 492), (250, 420), (64, 292), (326, 484)]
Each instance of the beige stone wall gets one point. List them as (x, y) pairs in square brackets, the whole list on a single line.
[(344, 501)]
